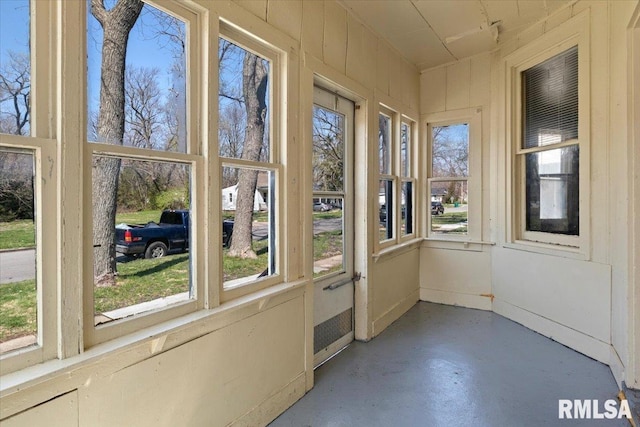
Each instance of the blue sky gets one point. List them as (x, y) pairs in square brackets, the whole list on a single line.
[(143, 48)]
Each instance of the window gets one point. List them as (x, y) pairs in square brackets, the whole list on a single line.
[(548, 157), (453, 190), (387, 180), (407, 179), (143, 162), (449, 178), (547, 88), (28, 184), (249, 163), (396, 179)]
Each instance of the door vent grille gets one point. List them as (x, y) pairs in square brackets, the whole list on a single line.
[(332, 330)]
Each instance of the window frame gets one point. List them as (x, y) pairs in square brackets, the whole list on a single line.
[(473, 118), (410, 176), (391, 177), (574, 33), (43, 146), (274, 165), (194, 156)]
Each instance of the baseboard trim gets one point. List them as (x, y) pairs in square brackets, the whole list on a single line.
[(269, 409), (573, 339), (394, 313), (480, 302)]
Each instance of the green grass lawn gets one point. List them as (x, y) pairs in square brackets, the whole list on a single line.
[(327, 245), (138, 280), (17, 234), (450, 218), (142, 280), (235, 268), (21, 233), (17, 310)]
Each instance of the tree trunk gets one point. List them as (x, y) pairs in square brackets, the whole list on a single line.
[(116, 24), (254, 88)]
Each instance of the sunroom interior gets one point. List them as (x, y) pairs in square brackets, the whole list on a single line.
[(337, 162)]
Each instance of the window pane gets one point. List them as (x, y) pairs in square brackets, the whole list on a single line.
[(243, 99), (18, 289), (328, 241), (146, 264), (449, 207), (550, 94), (15, 67), (384, 144), (328, 150), (248, 203), (405, 150), (552, 194), (153, 104), (407, 208), (385, 202), (450, 150)]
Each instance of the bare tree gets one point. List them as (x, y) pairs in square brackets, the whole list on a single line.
[(254, 90), (384, 124), (143, 108), (15, 91), (116, 24), (328, 151)]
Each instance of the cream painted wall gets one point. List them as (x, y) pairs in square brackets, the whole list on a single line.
[(247, 360), (597, 285), (395, 286), (584, 301), (454, 272)]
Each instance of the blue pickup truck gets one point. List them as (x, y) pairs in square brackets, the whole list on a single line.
[(155, 240)]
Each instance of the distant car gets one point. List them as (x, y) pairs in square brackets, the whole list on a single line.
[(383, 214), (437, 208), (321, 207)]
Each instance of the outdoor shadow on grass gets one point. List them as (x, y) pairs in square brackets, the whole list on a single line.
[(168, 263)]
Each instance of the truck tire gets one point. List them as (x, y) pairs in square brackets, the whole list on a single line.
[(156, 250)]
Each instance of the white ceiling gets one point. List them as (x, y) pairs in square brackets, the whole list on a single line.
[(434, 32)]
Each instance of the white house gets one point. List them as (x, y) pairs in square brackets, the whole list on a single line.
[(230, 198)]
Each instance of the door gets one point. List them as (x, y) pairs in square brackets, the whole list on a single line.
[(332, 224)]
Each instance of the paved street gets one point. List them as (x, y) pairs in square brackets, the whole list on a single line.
[(16, 266)]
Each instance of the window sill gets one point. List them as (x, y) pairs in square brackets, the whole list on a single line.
[(455, 244), (547, 249), (58, 376), (395, 250)]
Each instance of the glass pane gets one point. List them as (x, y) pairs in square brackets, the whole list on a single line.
[(248, 203), (141, 258), (405, 150), (148, 109), (385, 202), (450, 150), (243, 103), (552, 194), (328, 150), (328, 241), (18, 289), (406, 209), (384, 144), (15, 67), (550, 100), (449, 207)]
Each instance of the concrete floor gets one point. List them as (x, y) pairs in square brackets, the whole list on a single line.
[(449, 366)]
